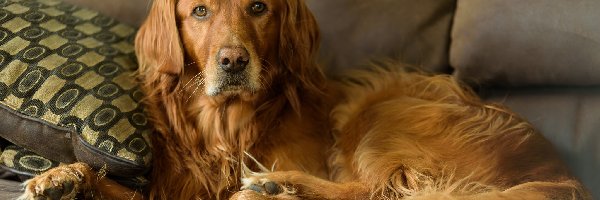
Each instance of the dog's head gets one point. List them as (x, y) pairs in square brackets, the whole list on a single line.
[(228, 47)]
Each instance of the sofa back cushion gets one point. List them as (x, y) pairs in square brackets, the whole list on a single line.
[(131, 12), (532, 42), (354, 32)]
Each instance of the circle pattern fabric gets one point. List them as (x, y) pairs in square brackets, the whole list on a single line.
[(72, 67)]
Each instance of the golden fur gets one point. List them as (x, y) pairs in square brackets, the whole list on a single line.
[(381, 134)]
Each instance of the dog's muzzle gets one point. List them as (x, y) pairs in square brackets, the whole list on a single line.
[(232, 74)]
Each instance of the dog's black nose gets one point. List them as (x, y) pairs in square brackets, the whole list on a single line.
[(233, 59)]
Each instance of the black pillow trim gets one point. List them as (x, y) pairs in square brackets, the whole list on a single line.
[(98, 159), (26, 131), (20, 173)]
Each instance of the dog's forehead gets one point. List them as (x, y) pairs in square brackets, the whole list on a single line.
[(224, 9), (227, 3)]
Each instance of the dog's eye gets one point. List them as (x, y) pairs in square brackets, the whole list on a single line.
[(258, 8), (200, 12)]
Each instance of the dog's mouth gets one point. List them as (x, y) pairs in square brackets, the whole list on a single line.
[(222, 83), (230, 84)]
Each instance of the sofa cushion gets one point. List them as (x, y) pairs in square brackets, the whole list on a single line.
[(67, 90), (534, 42), (10, 189), (568, 117), (132, 12), (354, 32)]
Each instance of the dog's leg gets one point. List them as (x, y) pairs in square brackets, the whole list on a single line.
[(65, 182), (532, 190), (297, 185)]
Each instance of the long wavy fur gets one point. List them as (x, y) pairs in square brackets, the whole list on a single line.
[(199, 141), (395, 134)]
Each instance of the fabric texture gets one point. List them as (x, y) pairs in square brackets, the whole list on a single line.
[(24, 162), (132, 12), (28, 164), (527, 43), (66, 81), (354, 32), (10, 189)]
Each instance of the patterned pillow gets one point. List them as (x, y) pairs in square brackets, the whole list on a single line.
[(27, 164), (67, 90), (24, 162)]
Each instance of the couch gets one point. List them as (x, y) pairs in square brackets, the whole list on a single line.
[(541, 58)]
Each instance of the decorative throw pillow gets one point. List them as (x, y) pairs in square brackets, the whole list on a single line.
[(24, 162), (67, 90), (27, 164)]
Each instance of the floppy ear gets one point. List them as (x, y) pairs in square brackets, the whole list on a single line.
[(157, 43), (299, 42)]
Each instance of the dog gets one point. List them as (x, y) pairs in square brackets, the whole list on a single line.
[(242, 111)]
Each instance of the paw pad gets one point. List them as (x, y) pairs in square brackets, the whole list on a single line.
[(268, 188), (57, 192)]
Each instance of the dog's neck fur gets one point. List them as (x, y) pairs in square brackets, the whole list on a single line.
[(224, 129)]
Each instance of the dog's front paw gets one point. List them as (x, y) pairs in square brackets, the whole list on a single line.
[(280, 184), (262, 185), (60, 183)]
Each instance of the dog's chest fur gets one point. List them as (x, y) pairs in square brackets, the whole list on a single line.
[(276, 136)]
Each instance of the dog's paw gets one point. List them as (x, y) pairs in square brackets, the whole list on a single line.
[(60, 183), (262, 186)]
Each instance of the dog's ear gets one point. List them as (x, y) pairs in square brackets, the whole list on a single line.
[(299, 42), (157, 43)]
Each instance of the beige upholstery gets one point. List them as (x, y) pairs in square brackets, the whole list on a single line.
[(527, 42), (357, 31), (132, 12)]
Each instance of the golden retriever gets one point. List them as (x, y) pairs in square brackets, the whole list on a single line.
[(242, 111)]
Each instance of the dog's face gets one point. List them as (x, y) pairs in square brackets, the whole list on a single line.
[(228, 47), (231, 43)]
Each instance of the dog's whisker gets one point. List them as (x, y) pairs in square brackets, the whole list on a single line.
[(191, 80), (193, 93), (266, 61), (261, 80), (197, 77), (190, 64), (197, 83)]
